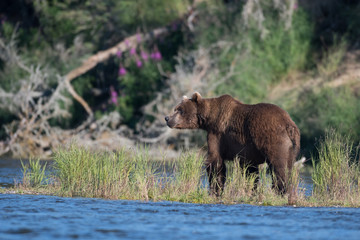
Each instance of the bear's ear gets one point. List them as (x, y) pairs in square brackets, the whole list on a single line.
[(185, 97), (196, 97)]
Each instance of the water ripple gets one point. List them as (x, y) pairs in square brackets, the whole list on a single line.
[(55, 218)]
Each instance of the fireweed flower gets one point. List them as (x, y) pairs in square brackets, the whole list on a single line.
[(138, 37), (158, 56), (118, 53), (122, 70), (114, 95), (138, 62), (144, 55), (132, 51)]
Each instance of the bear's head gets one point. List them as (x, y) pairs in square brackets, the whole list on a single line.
[(185, 114)]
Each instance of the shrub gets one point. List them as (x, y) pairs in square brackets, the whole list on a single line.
[(254, 59), (317, 110), (332, 58)]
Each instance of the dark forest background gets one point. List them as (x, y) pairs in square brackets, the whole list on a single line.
[(302, 55)]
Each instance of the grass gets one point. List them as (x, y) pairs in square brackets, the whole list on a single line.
[(33, 173), (127, 175), (336, 175), (134, 175), (332, 59)]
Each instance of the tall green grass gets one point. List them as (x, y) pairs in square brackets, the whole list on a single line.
[(336, 174), (239, 186), (132, 174), (81, 172), (128, 175), (33, 173), (187, 181)]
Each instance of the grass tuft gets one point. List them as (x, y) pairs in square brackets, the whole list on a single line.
[(336, 173), (33, 173)]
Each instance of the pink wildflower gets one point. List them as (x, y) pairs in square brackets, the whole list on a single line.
[(152, 55), (114, 95), (158, 55), (144, 55), (118, 53), (132, 51), (122, 70), (138, 62)]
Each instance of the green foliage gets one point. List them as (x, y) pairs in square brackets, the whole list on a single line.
[(33, 173), (317, 110), (138, 88), (332, 58), (282, 50), (336, 175), (65, 20), (258, 60)]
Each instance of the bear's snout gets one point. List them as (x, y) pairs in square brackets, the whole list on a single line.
[(170, 121)]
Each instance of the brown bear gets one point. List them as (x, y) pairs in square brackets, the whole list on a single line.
[(254, 134)]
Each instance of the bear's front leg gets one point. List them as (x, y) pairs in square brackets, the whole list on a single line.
[(215, 167), (216, 174)]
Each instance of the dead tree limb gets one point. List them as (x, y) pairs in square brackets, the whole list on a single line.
[(102, 56)]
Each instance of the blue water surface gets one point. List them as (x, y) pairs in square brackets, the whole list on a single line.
[(49, 217)]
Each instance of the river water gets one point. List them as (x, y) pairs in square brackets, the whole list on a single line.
[(49, 217)]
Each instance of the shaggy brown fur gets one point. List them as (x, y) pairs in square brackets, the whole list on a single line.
[(253, 133)]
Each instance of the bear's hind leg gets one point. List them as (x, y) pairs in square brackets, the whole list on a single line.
[(279, 179)]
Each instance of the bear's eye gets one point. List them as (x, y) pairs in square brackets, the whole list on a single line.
[(179, 110)]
